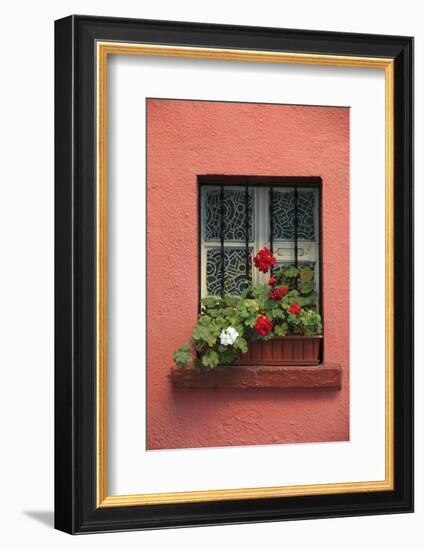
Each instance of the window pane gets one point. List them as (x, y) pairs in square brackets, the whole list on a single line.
[(235, 271), (234, 214), (284, 214), (300, 264)]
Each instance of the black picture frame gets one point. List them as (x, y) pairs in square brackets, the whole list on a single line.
[(76, 510)]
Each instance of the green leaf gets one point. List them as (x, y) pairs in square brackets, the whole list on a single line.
[(306, 274), (281, 330), (228, 357), (201, 333), (240, 344), (211, 302), (306, 287), (210, 359), (278, 313), (290, 272), (183, 355), (231, 301)]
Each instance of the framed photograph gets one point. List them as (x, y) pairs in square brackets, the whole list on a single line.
[(234, 274)]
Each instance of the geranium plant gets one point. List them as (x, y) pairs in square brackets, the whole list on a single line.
[(226, 326)]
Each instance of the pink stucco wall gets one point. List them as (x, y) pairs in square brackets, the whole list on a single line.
[(190, 138)]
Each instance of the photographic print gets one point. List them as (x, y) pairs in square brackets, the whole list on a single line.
[(247, 274)]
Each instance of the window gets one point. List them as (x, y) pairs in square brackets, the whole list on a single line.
[(237, 220)]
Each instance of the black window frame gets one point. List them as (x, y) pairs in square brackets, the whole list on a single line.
[(222, 181)]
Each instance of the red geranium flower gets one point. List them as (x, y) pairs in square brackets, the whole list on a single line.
[(283, 291), (264, 259), (278, 294), (272, 281), (295, 309), (263, 325), (274, 294)]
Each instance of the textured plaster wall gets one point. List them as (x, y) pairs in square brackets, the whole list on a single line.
[(190, 138)]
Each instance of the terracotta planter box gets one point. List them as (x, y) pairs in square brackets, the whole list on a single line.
[(284, 351)]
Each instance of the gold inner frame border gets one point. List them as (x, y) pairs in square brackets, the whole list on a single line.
[(103, 50)]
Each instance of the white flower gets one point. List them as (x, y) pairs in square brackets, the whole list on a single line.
[(228, 336)]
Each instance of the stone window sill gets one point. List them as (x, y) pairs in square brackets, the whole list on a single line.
[(323, 376)]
